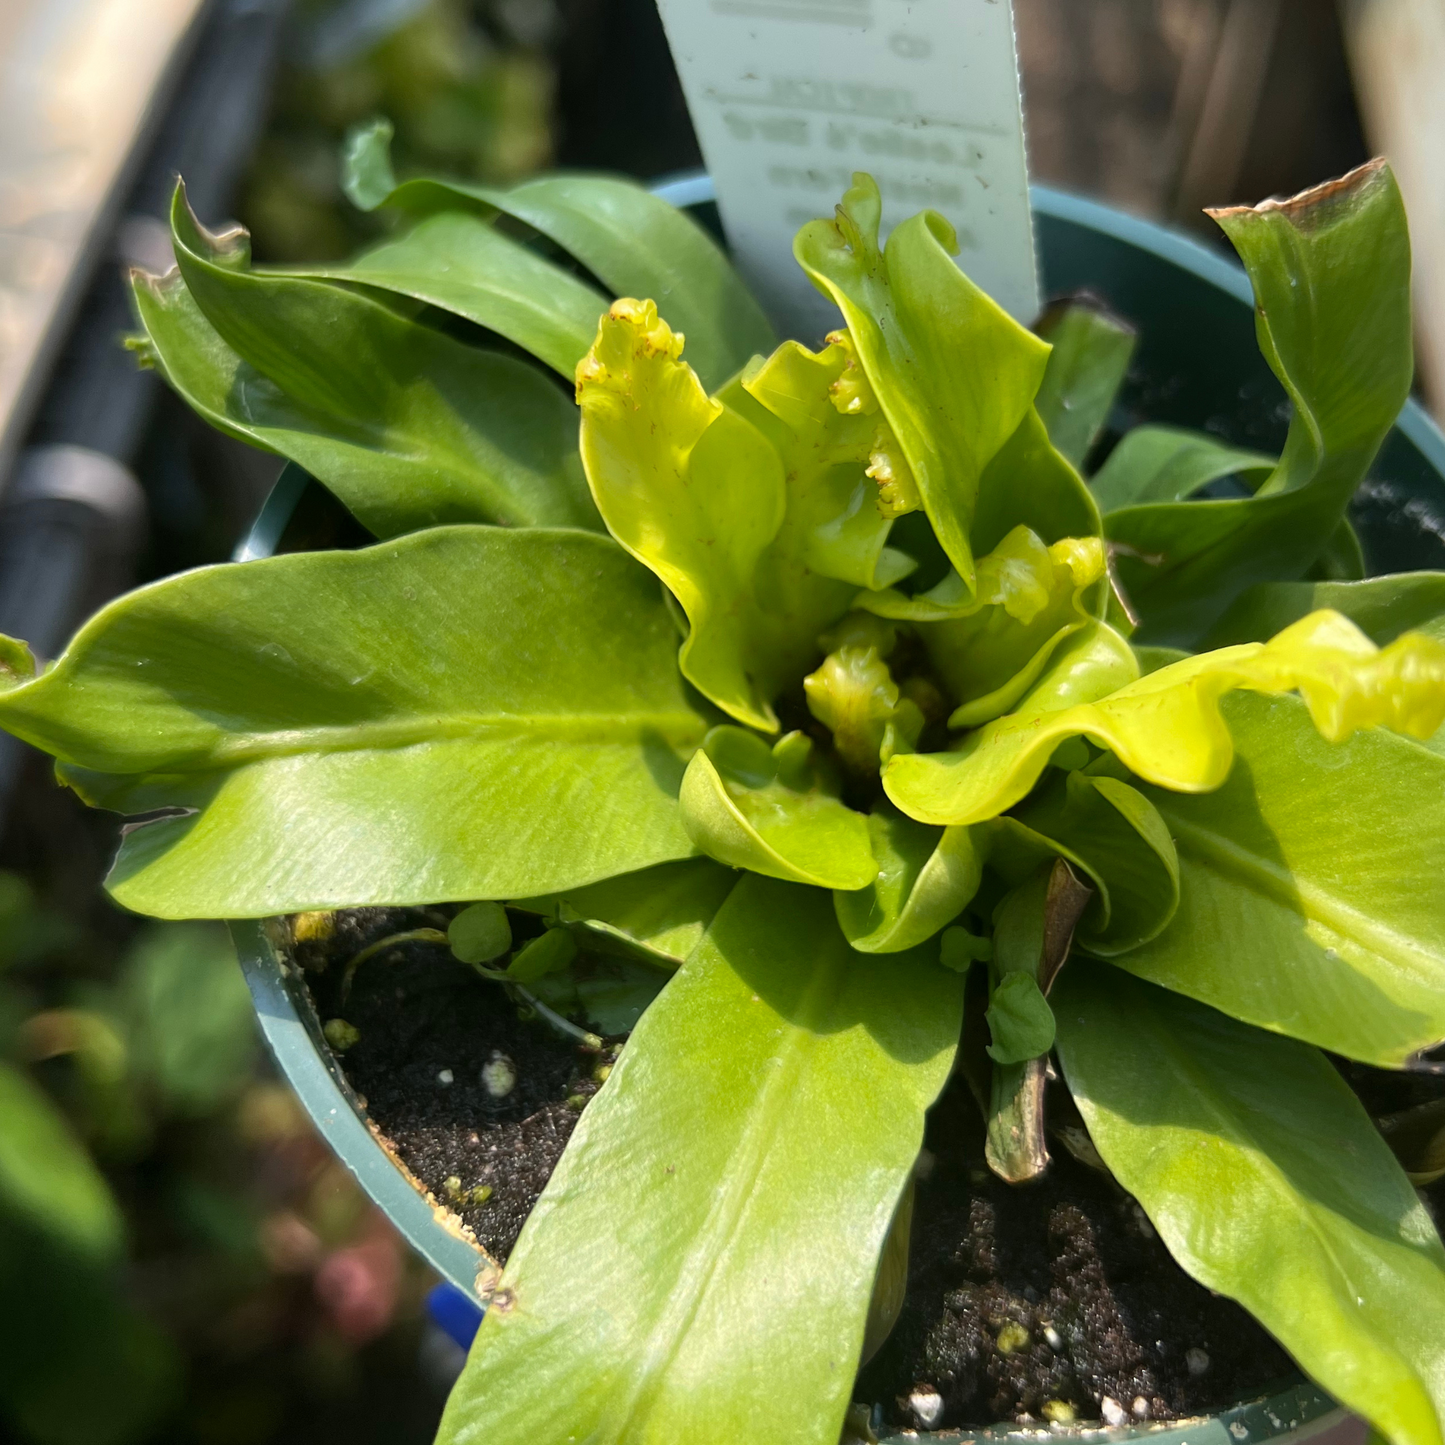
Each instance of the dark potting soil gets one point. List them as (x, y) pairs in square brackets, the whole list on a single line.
[(428, 1027), (1025, 1303), (1035, 1302)]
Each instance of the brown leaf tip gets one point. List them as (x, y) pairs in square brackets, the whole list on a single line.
[(1312, 208)]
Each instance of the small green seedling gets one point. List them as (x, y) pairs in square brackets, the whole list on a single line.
[(480, 933)]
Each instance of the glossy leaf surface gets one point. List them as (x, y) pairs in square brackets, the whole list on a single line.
[(1343, 557), (926, 877), (507, 700), (459, 262), (480, 933), (698, 494), (1029, 483), (1088, 363), (703, 1257), (658, 914), (1091, 664), (1170, 464), (1112, 833), (1382, 607), (1022, 576), (1331, 276), (1167, 727), (548, 954), (1269, 1183), (832, 515), (634, 243), (1311, 910), (408, 427), (773, 811), (1020, 1021), (953, 374)]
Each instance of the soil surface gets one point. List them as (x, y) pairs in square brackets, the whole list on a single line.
[(1054, 1301), (429, 1026), (1035, 1302)]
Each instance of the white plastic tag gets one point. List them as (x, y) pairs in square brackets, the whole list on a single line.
[(790, 97)]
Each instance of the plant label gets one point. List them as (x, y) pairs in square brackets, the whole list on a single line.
[(790, 97)]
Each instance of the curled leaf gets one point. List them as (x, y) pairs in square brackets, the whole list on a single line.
[(1113, 833), (464, 265), (1167, 727), (1168, 464), (697, 493), (1342, 559), (773, 811), (959, 949), (953, 374), (898, 492), (1381, 607), (1021, 575), (635, 243), (926, 877), (409, 428), (807, 404), (17, 662), (990, 648), (1331, 275), (1091, 664), (853, 694), (1033, 928), (1034, 923), (1029, 483), (691, 490), (1311, 911), (890, 1289), (263, 707), (550, 953)]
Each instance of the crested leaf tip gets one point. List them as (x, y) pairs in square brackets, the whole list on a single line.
[(897, 487), (851, 393), (630, 332)]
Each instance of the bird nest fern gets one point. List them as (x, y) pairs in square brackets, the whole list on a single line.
[(823, 683)]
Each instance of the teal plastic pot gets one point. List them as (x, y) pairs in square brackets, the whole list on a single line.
[(1197, 365)]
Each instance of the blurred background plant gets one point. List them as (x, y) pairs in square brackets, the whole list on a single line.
[(181, 1258), (469, 87)]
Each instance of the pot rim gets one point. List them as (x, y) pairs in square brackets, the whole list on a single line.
[(292, 1029)]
